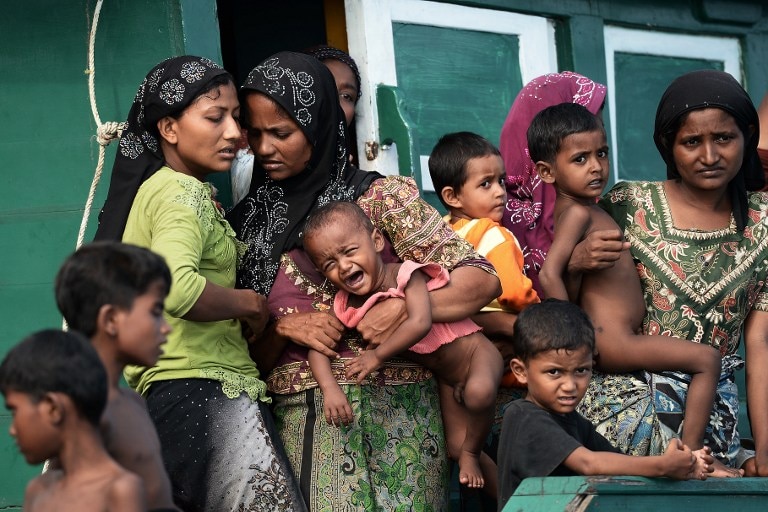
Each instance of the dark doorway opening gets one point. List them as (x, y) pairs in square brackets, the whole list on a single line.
[(253, 30)]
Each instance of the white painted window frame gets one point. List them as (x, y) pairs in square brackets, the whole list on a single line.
[(666, 44), (369, 34)]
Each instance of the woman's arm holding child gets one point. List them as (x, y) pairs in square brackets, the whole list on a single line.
[(317, 330)]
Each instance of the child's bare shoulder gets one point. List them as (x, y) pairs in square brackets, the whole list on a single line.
[(126, 493), (601, 219), (40, 491), (128, 430)]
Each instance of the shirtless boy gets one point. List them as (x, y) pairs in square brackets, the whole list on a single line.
[(114, 294), (55, 387), (568, 144)]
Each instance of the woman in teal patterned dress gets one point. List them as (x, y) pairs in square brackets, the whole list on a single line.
[(392, 456), (700, 243)]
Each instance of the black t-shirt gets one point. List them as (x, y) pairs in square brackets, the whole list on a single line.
[(535, 442)]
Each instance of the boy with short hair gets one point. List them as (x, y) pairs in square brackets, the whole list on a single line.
[(114, 294), (468, 174), (542, 434), (56, 388), (568, 144)]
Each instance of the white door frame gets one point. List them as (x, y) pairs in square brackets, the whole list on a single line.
[(650, 42), (369, 34)]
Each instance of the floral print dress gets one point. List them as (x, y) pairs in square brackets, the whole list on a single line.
[(699, 286)]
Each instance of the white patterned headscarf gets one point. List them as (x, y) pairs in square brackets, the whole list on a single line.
[(271, 217), (168, 89)]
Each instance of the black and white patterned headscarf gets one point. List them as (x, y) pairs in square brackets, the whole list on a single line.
[(271, 217), (712, 89), (167, 90)]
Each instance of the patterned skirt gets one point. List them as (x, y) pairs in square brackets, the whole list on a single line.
[(621, 408), (640, 412), (392, 457), (221, 453)]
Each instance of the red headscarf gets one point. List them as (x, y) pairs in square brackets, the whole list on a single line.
[(530, 202)]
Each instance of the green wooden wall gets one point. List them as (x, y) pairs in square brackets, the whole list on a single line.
[(48, 152)]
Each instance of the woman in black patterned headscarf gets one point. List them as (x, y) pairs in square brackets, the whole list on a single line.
[(392, 454), (204, 395), (166, 91), (271, 217)]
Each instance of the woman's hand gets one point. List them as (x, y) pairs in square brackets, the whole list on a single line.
[(257, 320), (382, 320), (599, 250), (318, 331)]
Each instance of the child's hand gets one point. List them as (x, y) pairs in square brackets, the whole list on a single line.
[(703, 466), (679, 462), (363, 365), (336, 407)]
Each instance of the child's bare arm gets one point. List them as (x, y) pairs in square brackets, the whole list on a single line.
[(756, 345), (416, 325), (127, 494), (335, 404), (677, 462), (413, 328), (571, 226)]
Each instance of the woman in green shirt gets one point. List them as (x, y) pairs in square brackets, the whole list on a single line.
[(205, 394)]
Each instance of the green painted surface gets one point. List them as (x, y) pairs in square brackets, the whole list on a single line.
[(48, 148), (625, 493), (396, 127), (467, 88), (640, 82)]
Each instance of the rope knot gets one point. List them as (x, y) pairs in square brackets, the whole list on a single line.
[(109, 131)]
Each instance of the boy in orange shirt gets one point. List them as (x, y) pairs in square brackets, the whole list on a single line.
[(468, 174)]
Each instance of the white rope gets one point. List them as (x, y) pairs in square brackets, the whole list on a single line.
[(105, 132)]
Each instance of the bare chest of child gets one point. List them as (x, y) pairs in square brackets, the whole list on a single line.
[(614, 294), (85, 491)]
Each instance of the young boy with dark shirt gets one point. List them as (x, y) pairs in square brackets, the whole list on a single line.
[(542, 434), (114, 294), (56, 388)]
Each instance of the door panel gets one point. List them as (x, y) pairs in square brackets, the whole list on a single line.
[(454, 68), (640, 65)]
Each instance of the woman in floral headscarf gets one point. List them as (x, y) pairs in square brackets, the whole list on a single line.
[(700, 243), (392, 456), (205, 394), (530, 201)]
